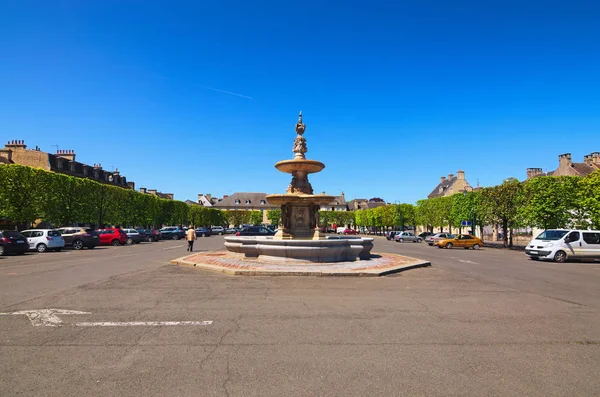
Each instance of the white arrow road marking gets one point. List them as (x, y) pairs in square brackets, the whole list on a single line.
[(49, 318), (474, 263), (45, 317), (147, 323)]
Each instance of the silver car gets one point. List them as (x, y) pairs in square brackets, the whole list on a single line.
[(401, 237), (434, 237)]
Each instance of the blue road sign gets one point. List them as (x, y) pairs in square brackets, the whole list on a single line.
[(467, 223)]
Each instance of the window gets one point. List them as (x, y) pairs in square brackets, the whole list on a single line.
[(37, 234), (53, 233), (237, 201), (574, 236), (552, 235), (248, 202), (26, 234), (263, 202), (467, 237), (591, 238)]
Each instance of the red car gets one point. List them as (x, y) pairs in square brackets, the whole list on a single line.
[(112, 236), (350, 231)]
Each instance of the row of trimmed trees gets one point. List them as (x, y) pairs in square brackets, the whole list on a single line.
[(29, 194), (543, 202)]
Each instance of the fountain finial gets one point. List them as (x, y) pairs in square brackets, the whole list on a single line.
[(300, 142)]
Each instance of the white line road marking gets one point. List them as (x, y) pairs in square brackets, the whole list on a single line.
[(474, 263), (146, 323), (49, 318), (44, 317), (170, 248)]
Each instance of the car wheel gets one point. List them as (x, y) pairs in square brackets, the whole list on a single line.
[(77, 244), (1, 250), (560, 257), (41, 247), (476, 246), (114, 243), (149, 239), (128, 242), (449, 245), (401, 240)]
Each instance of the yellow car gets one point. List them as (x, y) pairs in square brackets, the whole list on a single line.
[(465, 241)]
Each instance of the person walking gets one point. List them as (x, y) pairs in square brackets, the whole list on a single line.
[(190, 236)]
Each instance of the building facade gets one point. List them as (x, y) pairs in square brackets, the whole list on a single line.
[(566, 166), (16, 152), (451, 185)]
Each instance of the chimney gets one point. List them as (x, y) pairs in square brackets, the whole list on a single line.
[(143, 190), (131, 185), (564, 159), (200, 197), (533, 172), (208, 197), (595, 158), (98, 166), (6, 154), (450, 176), (225, 196), (15, 145), (170, 196), (152, 191), (442, 179), (66, 154), (460, 174)]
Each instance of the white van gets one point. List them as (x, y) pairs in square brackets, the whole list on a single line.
[(561, 244)]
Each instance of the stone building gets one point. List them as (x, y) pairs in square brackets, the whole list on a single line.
[(566, 166), (339, 204), (451, 185), (154, 192), (364, 204), (245, 201), (16, 152)]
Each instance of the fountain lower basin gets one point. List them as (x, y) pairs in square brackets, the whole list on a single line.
[(320, 251)]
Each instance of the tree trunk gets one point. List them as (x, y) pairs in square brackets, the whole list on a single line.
[(505, 232), (510, 243)]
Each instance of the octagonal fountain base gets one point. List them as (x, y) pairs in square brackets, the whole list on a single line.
[(322, 250)]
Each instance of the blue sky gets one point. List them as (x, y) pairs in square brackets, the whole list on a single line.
[(394, 94)]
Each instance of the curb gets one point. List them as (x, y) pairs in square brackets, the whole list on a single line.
[(336, 273)]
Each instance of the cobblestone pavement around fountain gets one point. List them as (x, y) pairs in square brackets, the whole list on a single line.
[(238, 265)]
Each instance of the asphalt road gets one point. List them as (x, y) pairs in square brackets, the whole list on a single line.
[(476, 323)]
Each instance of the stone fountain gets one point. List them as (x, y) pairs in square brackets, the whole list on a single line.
[(299, 238)]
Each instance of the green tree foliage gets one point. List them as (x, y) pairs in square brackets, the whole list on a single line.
[(549, 201), (588, 197), (256, 217), (28, 194), (274, 217), (502, 203)]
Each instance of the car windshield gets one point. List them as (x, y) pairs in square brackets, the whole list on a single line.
[(552, 235)]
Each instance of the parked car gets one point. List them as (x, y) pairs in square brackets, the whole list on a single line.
[(424, 235), (389, 235), (401, 237), (465, 241), (79, 237), (220, 230), (255, 231), (231, 230), (560, 245), (203, 232), (41, 240), (149, 235), (12, 242), (172, 233), (349, 231), (340, 229), (434, 237), (133, 236), (112, 236)]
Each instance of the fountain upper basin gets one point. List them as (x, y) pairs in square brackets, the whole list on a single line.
[(303, 165)]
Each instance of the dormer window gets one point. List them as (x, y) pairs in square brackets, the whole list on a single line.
[(263, 202), (248, 202), (237, 201)]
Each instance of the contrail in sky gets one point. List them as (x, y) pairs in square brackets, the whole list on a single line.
[(225, 92)]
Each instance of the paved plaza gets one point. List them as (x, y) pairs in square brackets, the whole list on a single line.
[(475, 323)]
